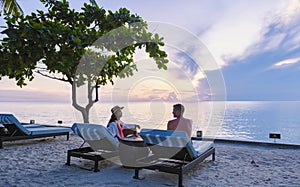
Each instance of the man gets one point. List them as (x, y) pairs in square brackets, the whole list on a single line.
[(180, 123)]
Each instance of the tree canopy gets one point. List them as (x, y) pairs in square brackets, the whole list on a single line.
[(61, 42), (10, 7)]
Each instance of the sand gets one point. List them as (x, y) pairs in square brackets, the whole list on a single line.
[(41, 162)]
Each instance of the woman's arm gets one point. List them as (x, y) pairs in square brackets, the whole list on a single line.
[(129, 126), (113, 129)]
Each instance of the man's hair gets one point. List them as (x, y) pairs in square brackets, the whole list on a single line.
[(179, 107)]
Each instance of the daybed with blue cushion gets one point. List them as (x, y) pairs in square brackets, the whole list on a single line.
[(102, 145), (20, 131), (173, 152)]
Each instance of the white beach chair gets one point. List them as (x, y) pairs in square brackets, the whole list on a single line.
[(102, 145)]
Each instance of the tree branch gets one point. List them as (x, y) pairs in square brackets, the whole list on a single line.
[(90, 96), (52, 77)]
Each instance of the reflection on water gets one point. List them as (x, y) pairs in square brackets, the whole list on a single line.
[(242, 120), (255, 120)]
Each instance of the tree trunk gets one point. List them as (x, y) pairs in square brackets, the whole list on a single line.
[(85, 114), (85, 111)]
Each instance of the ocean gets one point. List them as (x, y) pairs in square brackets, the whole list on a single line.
[(234, 120)]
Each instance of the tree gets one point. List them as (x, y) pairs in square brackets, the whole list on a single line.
[(90, 48), (10, 7)]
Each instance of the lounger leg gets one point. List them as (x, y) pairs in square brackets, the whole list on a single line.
[(68, 159), (180, 179), (214, 156), (1, 144), (96, 166), (67, 136), (136, 174)]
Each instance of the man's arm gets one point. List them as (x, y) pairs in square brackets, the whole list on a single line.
[(169, 125), (190, 127)]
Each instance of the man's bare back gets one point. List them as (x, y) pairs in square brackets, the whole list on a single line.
[(181, 124)]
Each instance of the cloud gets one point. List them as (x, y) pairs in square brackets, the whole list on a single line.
[(243, 26), (269, 68), (278, 31), (273, 41), (32, 96), (286, 62), (228, 29)]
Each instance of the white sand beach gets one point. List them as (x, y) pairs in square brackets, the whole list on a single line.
[(42, 163)]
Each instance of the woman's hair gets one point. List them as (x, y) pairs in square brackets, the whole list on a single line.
[(115, 116), (112, 118)]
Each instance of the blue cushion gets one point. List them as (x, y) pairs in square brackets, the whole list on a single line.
[(48, 130), (7, 119), (169, 138), (191, 150), (27, 125), (76, 130), (33, 129)]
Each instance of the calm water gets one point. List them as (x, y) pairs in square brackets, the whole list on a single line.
[(240, 121)]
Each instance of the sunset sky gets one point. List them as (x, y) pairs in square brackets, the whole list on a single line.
[(255, 45)]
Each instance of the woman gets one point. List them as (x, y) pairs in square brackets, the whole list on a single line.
[(116, 127)]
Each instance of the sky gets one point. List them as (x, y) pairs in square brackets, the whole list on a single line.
[(254, 46)]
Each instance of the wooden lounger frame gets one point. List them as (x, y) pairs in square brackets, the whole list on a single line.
[(178, 167), (89, 154)]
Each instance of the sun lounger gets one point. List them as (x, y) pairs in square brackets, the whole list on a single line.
[(173, 152), (102, 145), (19, 131)]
